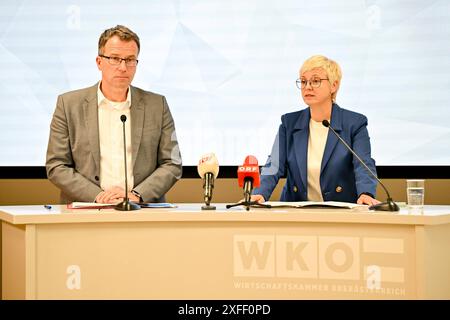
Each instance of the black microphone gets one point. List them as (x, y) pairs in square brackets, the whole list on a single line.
[(126, 205), (389, 205)]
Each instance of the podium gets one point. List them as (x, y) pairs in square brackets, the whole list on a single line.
[(187, 253)]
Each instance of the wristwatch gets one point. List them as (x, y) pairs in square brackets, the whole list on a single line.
[(137, 194)]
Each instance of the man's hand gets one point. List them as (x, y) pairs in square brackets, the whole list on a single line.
[(114, 195), (133, 197), (366, 199)]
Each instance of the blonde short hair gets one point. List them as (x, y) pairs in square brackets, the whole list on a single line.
[(331, 67)]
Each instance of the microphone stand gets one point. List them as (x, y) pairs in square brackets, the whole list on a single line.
[(389, 205), (248, 204), (126, 205), (248, 186), (208, 186)]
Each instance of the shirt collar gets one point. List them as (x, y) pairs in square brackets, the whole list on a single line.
[(123, 105)]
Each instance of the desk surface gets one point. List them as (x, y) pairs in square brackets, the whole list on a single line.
[(37, 214), (187, 253)]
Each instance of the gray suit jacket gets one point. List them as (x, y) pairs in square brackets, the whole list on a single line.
[(73, 153)]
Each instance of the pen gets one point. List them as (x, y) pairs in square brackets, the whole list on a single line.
[(47, 206)]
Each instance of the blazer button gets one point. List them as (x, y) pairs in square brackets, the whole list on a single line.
[(339, 189), (295, 189), (96, 178)]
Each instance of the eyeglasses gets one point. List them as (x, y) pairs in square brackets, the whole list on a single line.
[(315, 82), (115, 61)]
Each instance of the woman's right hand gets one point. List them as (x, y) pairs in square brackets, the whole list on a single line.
[(257, 197)]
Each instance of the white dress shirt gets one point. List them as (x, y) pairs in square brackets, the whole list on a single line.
[(112, 171), (316, 146)]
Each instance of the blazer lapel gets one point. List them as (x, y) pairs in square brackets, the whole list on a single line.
[(301, 132), (332, 140), (90, 109), (137, 121)]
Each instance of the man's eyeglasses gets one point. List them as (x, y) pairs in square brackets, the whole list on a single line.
[(315, 82), (115, 61)]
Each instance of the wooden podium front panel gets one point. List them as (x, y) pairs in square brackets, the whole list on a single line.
[(227, 260), (188, 254)]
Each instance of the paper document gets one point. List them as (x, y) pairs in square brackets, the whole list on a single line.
[(94, 205), (89, 205), (157, 205), (312, 204)]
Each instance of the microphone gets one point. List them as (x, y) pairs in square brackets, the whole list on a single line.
[(248, 178), (125, 205), (208, 169), (389, 205)]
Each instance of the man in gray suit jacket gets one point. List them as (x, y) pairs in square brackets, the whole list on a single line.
[(85, 148)]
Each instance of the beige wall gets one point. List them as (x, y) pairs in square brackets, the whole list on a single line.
[(41, 191)]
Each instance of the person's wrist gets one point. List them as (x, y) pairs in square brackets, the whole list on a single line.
[(137, 194), (96, 198), (367, 194)]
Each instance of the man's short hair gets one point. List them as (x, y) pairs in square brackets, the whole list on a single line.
[(122, 32)]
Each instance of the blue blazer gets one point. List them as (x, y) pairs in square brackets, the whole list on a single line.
[(342, 177)]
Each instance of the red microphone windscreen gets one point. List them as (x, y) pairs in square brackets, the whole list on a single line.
[(249, 169)]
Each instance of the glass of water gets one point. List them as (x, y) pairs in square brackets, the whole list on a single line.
[(415, 190)]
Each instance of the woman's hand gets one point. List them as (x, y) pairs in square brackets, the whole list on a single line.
[(366, 199), (256, 197)]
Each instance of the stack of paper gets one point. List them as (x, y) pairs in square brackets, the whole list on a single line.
[(312, 204), (89, 205)]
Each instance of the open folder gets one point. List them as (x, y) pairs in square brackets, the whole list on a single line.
[(312, 204)]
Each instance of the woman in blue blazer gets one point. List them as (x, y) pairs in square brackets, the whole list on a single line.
[(317, 166)]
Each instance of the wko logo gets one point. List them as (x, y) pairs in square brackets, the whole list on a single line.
[(323, 257)]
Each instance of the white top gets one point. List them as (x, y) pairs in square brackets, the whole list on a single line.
[(316, 146), (112, 171)]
